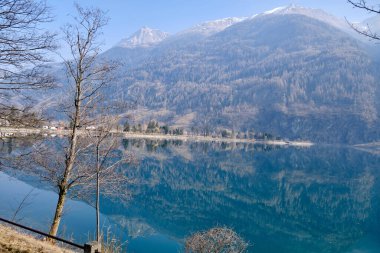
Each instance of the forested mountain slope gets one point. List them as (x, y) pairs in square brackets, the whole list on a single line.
[(286, 72)]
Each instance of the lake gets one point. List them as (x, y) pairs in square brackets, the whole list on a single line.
[(279, 199)]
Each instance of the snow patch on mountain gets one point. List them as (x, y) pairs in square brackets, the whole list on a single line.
[(371, 25), (145, 37), (275, 10)]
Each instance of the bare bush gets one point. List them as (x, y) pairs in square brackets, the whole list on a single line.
[(216, 240)]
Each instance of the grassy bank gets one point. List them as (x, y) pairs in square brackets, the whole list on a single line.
[(12, 241)]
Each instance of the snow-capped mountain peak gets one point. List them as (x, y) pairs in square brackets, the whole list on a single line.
[(311, 13), (290, 9), (144, 37), (215, 26)]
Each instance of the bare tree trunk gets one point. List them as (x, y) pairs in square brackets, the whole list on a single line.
[(105, 166), (58, 212), (97, 194), (64, 186)]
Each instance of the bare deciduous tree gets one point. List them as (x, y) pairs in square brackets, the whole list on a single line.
[(216, 240), (88, 158), (364, 5), (107, 160), (24, 47), (98, 167), (87, 77)]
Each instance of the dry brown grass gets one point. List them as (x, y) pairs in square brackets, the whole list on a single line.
[(12, 241)]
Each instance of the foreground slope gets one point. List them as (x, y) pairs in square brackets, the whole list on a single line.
[(14, 242)]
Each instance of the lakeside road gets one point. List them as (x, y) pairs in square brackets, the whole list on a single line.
[(9, 132)]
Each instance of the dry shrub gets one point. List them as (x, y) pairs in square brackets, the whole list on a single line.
[(216, 240)]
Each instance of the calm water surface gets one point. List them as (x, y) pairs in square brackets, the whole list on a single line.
[(319, 199)]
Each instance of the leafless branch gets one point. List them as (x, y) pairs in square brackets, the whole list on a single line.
[(24, 45), (365, 31), (23, 204), (362, 4)]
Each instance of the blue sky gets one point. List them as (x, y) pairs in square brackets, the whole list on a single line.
[(127, 16)]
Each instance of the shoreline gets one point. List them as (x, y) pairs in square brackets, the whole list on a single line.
[(198, 138), (11, 132), (371, 147)]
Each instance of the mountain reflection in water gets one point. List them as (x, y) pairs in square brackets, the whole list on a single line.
[(319, 199)]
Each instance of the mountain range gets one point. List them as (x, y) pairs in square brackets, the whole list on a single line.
[(295, 72)]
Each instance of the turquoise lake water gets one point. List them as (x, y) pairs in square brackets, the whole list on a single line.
[(318, 199)]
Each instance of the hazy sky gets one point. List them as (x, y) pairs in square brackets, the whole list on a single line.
[(171, 16)]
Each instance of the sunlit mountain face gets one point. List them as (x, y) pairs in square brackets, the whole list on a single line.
[(295, 72)]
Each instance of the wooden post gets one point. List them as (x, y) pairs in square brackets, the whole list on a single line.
[(92, 247)]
